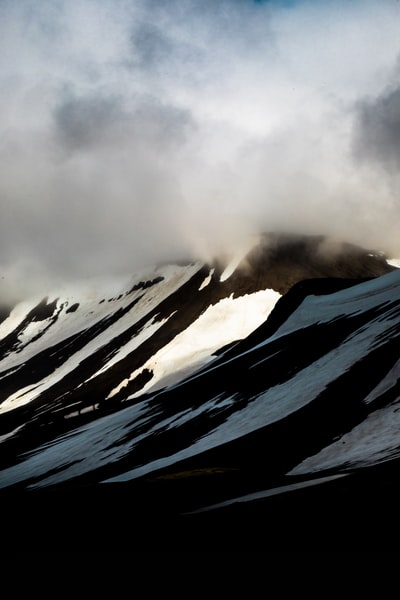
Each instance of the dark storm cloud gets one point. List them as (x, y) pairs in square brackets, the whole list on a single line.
[(378, 130), (91, 121), (88, 121), (150, 46)]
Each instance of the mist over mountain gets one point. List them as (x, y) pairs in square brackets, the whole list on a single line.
[(187, 404), (132, 131)]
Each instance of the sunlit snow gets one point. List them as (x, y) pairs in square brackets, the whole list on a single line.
[(394, 262), (229, 320), (91, 310), (207, 280)]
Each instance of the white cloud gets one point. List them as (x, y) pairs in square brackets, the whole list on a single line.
[(136, 130)]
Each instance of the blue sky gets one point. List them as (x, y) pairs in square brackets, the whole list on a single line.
[(135, 129)]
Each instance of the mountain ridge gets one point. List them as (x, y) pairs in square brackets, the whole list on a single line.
[(316, 366), (276, 263)]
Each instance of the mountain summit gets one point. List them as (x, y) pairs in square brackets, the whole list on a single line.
[(188, 389)]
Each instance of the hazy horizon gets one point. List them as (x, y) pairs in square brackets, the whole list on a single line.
[(133, 131)]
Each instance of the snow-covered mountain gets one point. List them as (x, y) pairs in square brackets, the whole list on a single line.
[(194, 393)]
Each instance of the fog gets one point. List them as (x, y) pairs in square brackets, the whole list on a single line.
[(135, 131)]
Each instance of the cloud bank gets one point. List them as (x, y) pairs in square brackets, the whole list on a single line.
[(133, 131)]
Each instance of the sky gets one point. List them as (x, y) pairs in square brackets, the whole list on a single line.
[(135, 131)]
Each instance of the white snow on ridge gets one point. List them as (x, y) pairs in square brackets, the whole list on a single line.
[(394, 262), (147, 331), (28, 393), (17, 315), (207, 280), (350, 301), (97, 298), (89, 312), (229, 320)]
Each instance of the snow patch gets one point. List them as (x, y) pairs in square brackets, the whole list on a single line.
[(394, 262), (17, 315), (229, 320), (207, 280), (238, 257), (373, 441), (91, 313)]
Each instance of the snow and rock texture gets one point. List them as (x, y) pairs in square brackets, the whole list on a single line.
[(190, 390)]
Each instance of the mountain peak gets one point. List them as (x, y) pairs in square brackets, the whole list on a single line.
[(246, 369), (281, 259)]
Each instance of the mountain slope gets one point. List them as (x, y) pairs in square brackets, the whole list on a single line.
[(304, 389), (97, 339)]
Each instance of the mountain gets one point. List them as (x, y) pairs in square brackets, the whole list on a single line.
[(253, 399)]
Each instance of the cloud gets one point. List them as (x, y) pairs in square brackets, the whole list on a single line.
[(133, 131), (378, 130)]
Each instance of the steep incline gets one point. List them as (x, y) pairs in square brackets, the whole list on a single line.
[(273, 400), (153, 410), (108, 340)]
